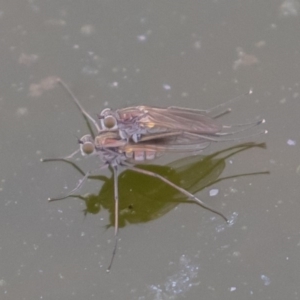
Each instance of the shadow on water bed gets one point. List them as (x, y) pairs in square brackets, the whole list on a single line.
[(144, 198)]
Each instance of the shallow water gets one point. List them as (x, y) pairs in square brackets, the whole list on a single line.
[(116, 54)]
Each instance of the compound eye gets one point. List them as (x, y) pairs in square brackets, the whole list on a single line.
[(110, 122), (87, 145), (87, 148)]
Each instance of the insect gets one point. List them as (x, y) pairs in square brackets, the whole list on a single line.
[(131, 140), (138, 123), (135, 123)]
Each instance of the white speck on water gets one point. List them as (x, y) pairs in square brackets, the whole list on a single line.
[(289, 8), (233, 190), (265, 279), (231, 221), (291, 142), (232, 289), (166, 87), (177, 284), (114, 84), (142, 38), (213, 192)]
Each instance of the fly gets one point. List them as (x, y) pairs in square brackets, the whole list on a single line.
[(139, 122)]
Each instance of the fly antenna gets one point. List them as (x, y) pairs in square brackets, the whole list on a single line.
[(85, 114)]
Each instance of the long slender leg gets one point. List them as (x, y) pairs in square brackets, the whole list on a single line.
[(78, 186), (116, 195), (61, 158), (64, 160), (183, 191)]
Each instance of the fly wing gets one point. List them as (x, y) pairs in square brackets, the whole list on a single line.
[(111, 145), (153, 119), (181, 143), (171, 141)]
